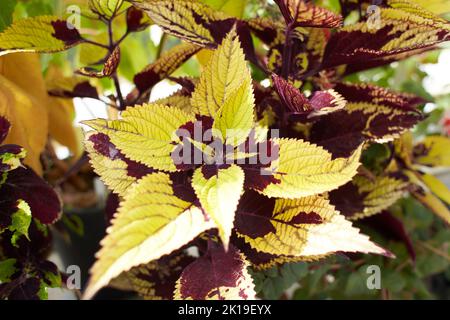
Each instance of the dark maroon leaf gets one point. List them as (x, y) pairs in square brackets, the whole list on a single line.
[(135, 20), (392, 228), (66, 32), (25, 184), (216, 269)]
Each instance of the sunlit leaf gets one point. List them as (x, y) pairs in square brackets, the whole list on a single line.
[(219, 191), (145, 133), (309, 226), (39, 34), (150, 223), (304, 169)]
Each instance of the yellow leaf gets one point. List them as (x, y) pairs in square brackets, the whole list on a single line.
[(434, 205), (39, 34), (436, 151), (105, 8), (235, 119), (150, 223), (437, 187), (61, 113), (145, 133), (435, 6), (224, 75), (234, 8), (330, 233), (23, 100), (219, 196), (113, 170), (304, 169)]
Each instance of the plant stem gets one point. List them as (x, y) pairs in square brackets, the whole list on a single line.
[(112, 46)]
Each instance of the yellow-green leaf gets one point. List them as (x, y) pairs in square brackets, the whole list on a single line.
[(105, 8), (304, 169), (219, 195), (437, 187), (39, 34), (150, 223), (222, 77), (145, 133), (295, 235), (434, 205), (235, 119), (436, 151)]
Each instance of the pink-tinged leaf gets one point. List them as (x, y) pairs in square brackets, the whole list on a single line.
[(216, 275), (26, 185), (320, 103)]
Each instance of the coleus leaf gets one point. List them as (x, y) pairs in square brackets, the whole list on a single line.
[(145, 133), (303, 13), (399, 31), (391, 228), (437, 187), (24, 184), (197, 23), (188, 20), (74, 89), (24, 102), (364, 196), (105, 8), (304, 169), (11, 157), (137, 20), (262, 261), (155, 280), (164, 66), (109, 68), (219, 274), (321, 102), (235, 119), (219, 192), (371, 114), (116, 171), (151, 222), (308, 226), (20, 222), (435, 205), (433, 151), (222, 77), (39, 34)]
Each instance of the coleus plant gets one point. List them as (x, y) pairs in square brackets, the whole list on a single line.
[(24, 236), (203, 169)]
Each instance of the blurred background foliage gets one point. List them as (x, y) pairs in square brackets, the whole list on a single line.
[(334, 278)]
